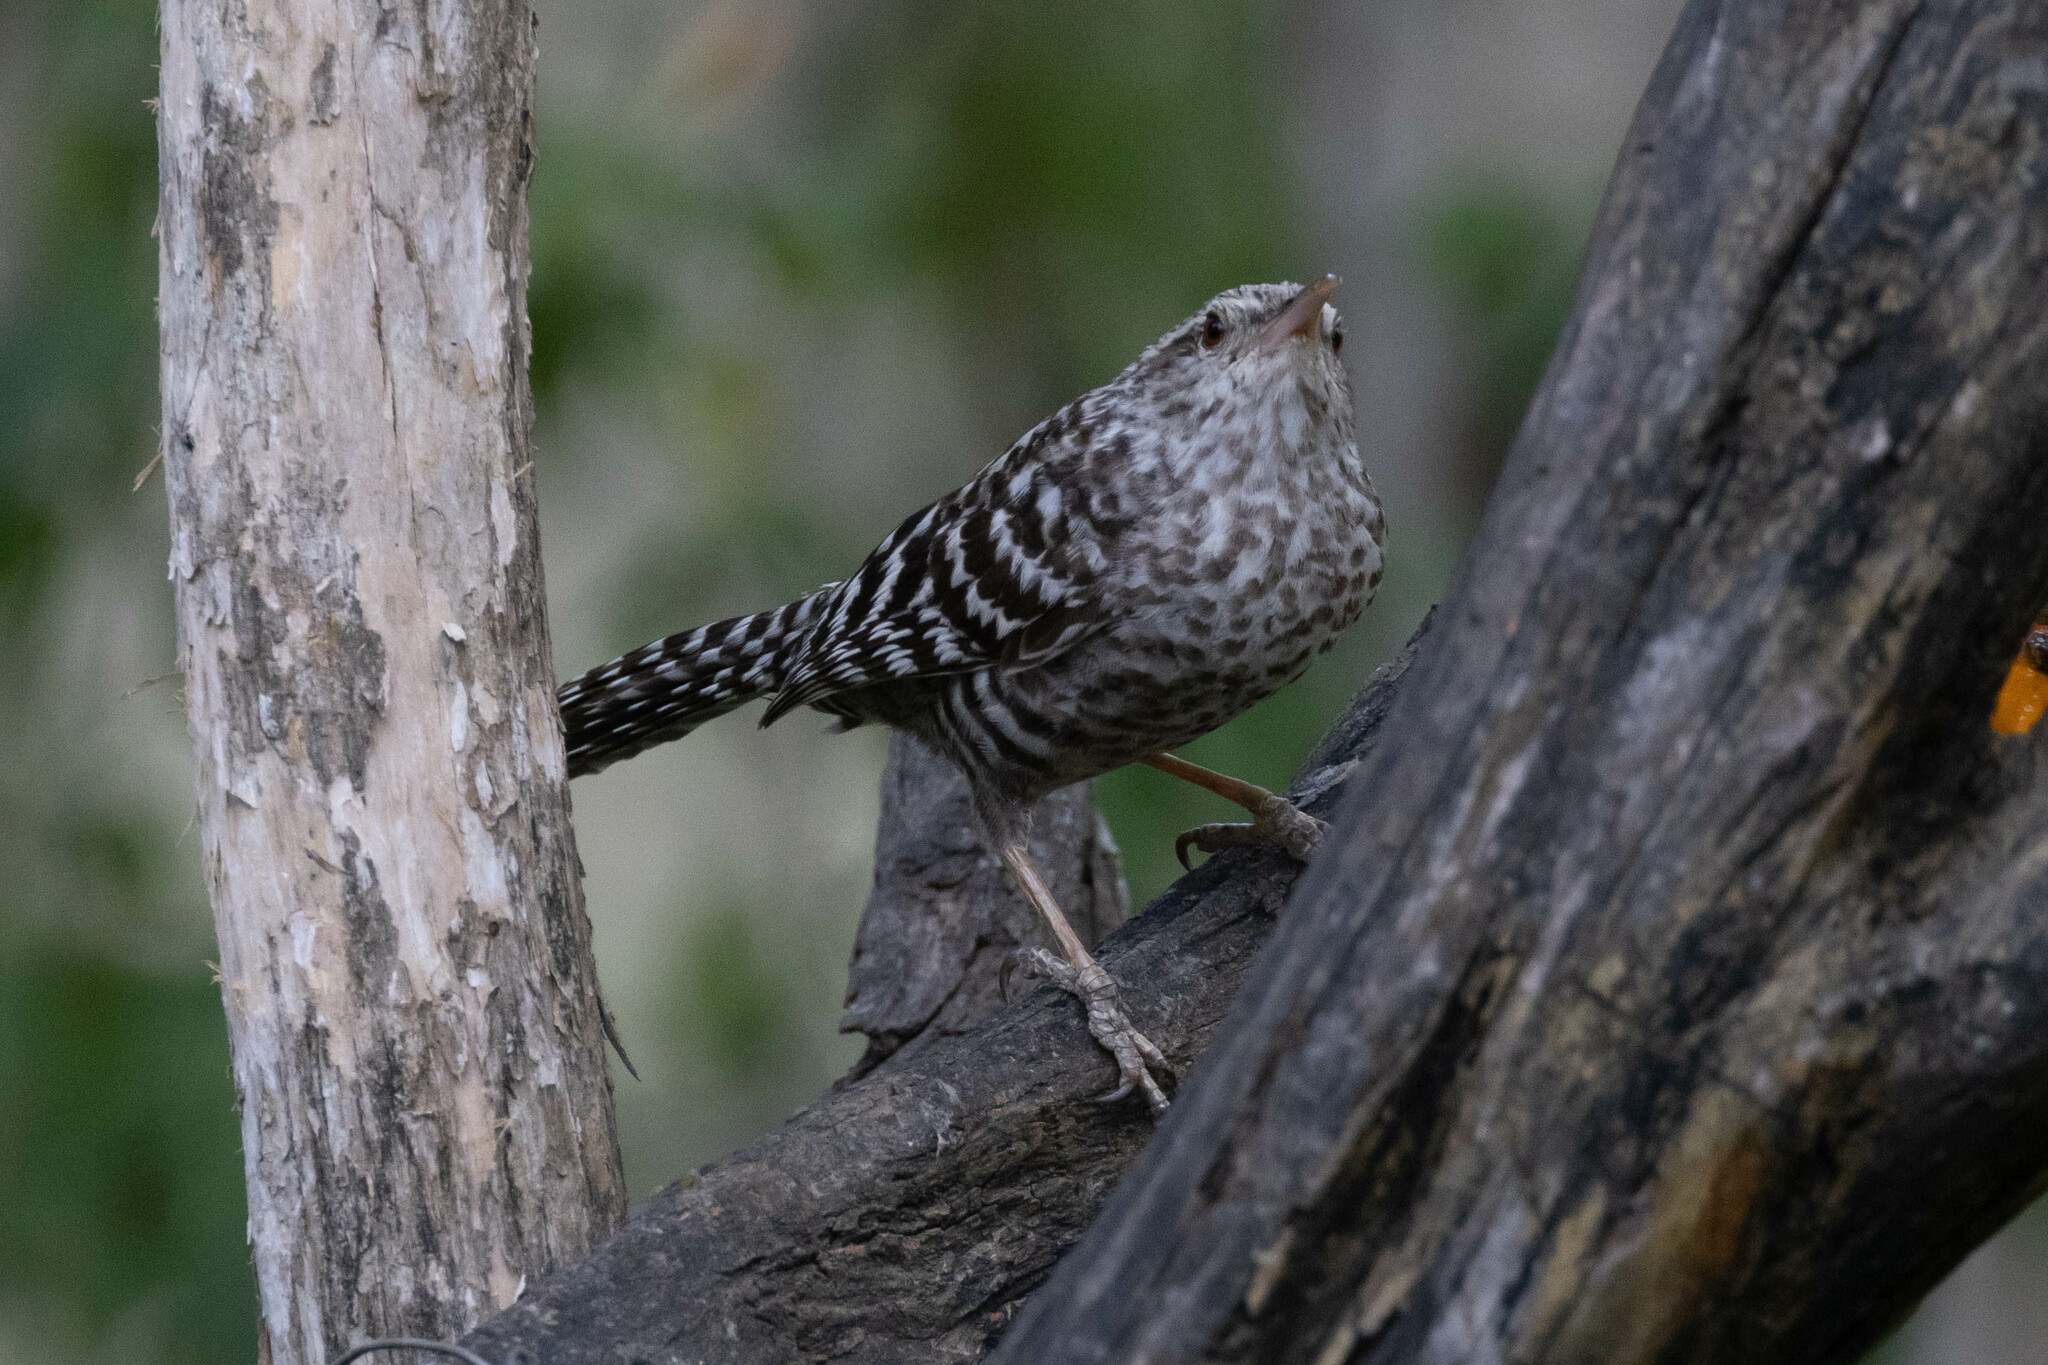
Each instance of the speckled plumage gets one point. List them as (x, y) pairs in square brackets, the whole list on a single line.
[(1138, 568)]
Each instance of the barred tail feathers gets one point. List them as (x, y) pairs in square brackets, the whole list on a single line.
[(664, 690)]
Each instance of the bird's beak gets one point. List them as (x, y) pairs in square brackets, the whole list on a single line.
[(1303, 314)]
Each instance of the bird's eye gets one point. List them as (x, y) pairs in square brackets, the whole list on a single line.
[(1337, 340), (1212, 330)]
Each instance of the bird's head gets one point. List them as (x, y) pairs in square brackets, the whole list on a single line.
[(1257, 357)]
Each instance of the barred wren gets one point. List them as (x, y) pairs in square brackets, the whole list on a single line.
[(1138, 568)]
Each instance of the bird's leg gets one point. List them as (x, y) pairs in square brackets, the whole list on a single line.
[(1080, 974), (1275, 819)]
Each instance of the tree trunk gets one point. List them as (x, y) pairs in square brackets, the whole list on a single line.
[(1677, 990), (1673, 986), (405, 961)]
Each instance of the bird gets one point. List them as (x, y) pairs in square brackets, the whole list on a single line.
[(1144, 564)]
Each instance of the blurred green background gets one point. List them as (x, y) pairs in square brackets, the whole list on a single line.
[(798, 268)]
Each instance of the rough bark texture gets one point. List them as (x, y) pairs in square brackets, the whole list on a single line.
[(902, 1218), (1676, 989), (426, 1111), (944, 921)]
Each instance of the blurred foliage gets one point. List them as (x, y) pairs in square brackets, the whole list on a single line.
[(120, 1169), (1505, 257), (119, 1152), (735, 999), (1077, 174), (77, 333), (1070, 177)]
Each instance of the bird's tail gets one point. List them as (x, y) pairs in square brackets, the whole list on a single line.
[(662, 691)]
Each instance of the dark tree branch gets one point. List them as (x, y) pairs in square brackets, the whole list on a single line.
[(945, 921), (1677, 989), (902, 1218)]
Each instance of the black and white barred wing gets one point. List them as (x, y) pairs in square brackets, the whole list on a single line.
[(998, 573)]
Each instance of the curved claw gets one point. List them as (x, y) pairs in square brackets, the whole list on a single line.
[(1278, 821), (1155, 1098), (1215, 838), (1124, 1087), (1019, 960)]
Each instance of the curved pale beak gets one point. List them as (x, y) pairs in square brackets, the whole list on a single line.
[(1303, 315)]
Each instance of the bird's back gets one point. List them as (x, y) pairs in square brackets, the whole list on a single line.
[(1137, 569), (1193, 586)]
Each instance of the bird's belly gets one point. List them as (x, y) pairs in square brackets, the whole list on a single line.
[(1244, 624), (1212, 621), (1167, 677)]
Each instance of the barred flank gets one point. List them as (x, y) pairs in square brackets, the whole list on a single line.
[(662, 691)]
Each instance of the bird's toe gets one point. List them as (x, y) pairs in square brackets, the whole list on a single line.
[(1135, 1055), (1292, 828), (1278, 823)]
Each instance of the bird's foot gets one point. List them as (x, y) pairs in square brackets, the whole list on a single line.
[(1277, 821), (1136, 1057)]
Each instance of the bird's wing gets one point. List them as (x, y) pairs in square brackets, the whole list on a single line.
[(1001, 570)]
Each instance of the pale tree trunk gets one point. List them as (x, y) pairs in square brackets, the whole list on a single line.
[(426, 1112)]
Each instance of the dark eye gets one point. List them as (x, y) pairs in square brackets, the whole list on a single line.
[(1337, 340), (1212, 330)]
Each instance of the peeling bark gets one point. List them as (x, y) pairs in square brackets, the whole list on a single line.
[(405, 961)]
